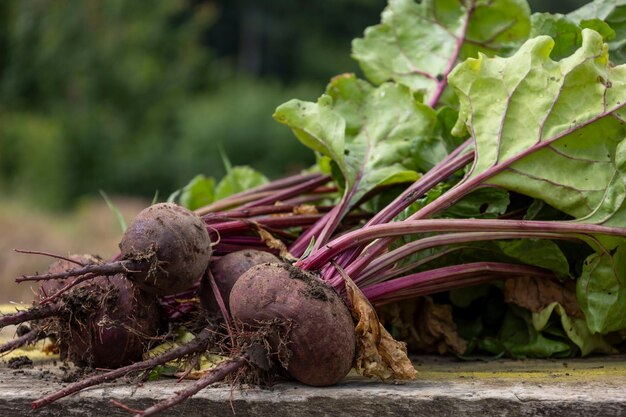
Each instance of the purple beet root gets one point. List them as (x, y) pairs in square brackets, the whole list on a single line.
[(165, 250), (320, 345), (226, 272), (111, 323), (104, 322), (169, 247)]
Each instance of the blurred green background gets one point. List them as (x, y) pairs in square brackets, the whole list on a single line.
[(132, 97)]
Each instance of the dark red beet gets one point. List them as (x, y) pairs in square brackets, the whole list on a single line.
[(111, 322), (321, 342), (226, 271), (171, 243), (105, 322)]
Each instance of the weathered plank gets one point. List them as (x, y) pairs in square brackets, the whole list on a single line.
[(445, 387)]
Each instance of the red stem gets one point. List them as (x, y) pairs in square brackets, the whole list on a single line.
[(220, 302), (255, 193), (234, 226), (447, 278), (365, 235), (445, 168), (386, 261), (289, 192)]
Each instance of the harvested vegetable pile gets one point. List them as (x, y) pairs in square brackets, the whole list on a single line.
[(469, 195)]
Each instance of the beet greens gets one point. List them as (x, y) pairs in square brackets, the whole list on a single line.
[(529, 133)]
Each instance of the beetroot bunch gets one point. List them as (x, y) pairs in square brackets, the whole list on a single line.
[(108, 314)]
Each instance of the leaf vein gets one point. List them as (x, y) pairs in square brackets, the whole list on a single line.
[(575, 158)]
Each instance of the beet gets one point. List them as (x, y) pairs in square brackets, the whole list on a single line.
[(171, 246), (108, 322), (321, 341), (165, 250), (226, 271)]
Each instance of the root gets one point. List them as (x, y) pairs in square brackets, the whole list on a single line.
[(83, 274), (30, 337), (33, 313), (253, 347), (199, 344), (220, 372), (111, 268), (51, 255), (67, 287)]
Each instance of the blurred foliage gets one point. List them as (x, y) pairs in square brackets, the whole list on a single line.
[(131, 97)]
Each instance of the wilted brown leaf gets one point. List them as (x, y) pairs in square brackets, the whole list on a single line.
[(535, 294), (378, 353), (437, 329), (305, 209), (274, 243), (426, 326)]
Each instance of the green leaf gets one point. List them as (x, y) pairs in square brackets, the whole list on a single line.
[(539, 210), (182, 336), (432, 149), (566, 33), (369, 133), (542, 253), (576, 330), (416, 43), (316, 125), (536, 136), (116, 211), (609, 18), (309, 248), (487, 203), (522, 340), (239, 179), (464, 297), (538, 252), (599, 26), (173, 197), (155, 198), (199, 192), (601, 290), (162, 370)]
